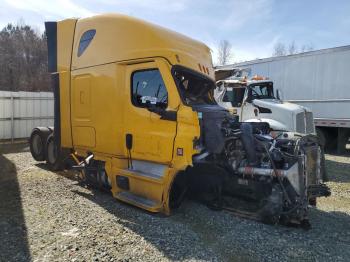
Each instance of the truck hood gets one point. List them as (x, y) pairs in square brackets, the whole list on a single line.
[(282, 113), (275, 125), (279, 105)]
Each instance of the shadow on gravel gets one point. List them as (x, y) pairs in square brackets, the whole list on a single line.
[(345, 153), (338, 171), (64, 173), (148, 225), (13, 232), (14, 148), (328, 235)]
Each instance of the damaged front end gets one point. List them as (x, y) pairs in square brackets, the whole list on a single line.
[(244, 169)]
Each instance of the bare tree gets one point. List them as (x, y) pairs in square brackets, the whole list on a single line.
[(307, 48), (23, 59), (292, 48), (279, 49), (224, 52)]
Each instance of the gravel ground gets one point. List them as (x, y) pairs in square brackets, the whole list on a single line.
[(46, 216)]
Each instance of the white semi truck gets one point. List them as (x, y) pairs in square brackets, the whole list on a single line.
[(255, 100), (317, 80)]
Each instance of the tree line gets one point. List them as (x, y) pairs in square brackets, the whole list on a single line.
[(281, 49), (225, 54), (23, 59)]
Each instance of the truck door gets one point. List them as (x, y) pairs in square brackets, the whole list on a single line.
[(234, 97), (247, 109), (153, 137), (227, 100)]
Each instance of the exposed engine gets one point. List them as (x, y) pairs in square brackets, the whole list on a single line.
[(244, 168)]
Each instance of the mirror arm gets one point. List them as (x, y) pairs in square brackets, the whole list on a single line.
[(169, 115), (155, 110)]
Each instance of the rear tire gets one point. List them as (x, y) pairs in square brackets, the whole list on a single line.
[(323, 170), (313, 201), (53, 158), (321, 136), (328, 138), (37, 143)]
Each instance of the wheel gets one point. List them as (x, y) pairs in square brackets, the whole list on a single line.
[(313, 202), (327, 138), (321, 136), (37, 142), (53, 158), (342, 140), (323, 170)]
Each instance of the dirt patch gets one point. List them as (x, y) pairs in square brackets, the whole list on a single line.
[(46, 216)]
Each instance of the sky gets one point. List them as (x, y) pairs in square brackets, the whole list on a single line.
[(253, 27)]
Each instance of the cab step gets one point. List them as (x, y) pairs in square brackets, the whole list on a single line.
[(139, 201), (144, 176), (147, 170)]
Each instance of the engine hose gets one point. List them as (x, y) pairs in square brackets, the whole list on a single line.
[(297, 147), (247, 139), (276, 173), (287, 155)]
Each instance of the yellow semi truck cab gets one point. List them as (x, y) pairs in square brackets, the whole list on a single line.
[(134, 107), (119, 77)]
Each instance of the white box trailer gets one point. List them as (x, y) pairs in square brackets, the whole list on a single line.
[(317, 80)]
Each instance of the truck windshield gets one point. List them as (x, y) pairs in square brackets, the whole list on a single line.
[(261, 91), (194, 88)]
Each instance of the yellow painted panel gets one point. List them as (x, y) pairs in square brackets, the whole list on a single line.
[(82, 98), (146, 189), (97, 101), (84, 136), (66, 131), (65, 34), (123, 38)]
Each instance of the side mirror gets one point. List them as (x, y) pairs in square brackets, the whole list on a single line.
[(279, 94), (156, 110), (164, 114), (247, 96)]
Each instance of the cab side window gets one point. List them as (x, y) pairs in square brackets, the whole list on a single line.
[(148, 89), (234, 95), (228, 97), (85, 40)]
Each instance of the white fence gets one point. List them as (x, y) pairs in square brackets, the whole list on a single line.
[(20, 112)]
